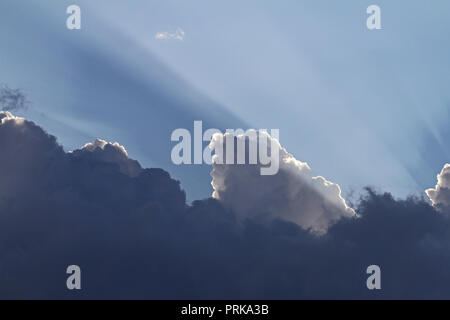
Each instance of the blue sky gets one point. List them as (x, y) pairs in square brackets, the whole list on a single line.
[(361, 107)]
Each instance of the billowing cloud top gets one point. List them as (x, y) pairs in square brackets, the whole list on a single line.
[(32, 161), (292, 194), (440, 195), (111, 153)]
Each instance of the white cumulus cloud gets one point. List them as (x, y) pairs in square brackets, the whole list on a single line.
[(440, 195), (293, 194)]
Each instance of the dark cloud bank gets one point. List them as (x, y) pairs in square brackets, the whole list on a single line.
[(133, 235)]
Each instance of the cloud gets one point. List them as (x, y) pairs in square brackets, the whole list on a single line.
[(177, 35), (292, 194), (134, 236), (12, 99), (110, 153), (440, 195), (27, 152)]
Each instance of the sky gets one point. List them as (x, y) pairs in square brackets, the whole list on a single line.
[(311, 69), (363, 147)]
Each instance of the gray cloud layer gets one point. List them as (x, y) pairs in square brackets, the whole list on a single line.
[(133, 235)]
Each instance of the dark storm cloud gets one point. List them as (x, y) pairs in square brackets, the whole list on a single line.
[(12, 99), (132, 234)]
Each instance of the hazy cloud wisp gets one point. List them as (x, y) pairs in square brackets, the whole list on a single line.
[(12, 99), (177, 35)]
